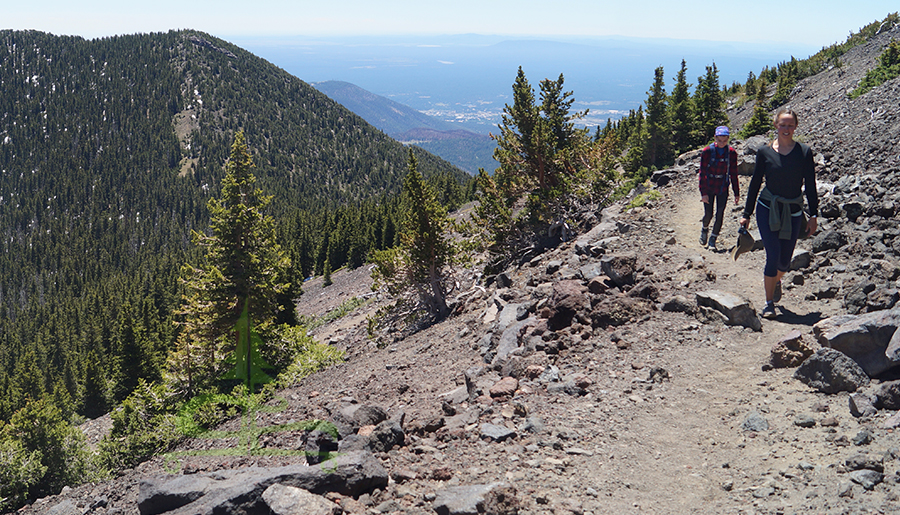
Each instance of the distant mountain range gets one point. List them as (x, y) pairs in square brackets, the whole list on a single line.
[(461, 147)]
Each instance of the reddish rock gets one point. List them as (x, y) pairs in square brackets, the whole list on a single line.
[(534, 371), (791, 351), (505, 387)]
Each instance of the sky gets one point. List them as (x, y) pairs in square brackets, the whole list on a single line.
[(807, 22)]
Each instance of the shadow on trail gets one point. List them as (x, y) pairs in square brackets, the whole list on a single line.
[(789, 317)]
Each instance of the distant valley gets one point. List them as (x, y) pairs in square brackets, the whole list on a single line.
[(461, 147), (467, 79)]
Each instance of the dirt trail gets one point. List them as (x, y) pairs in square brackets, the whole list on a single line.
[(685, 446)]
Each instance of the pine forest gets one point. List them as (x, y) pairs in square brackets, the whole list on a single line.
[(109, 152)]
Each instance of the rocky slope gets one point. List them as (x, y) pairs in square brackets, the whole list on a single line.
[(621, 372)]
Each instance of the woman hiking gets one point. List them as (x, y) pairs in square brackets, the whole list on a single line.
[(788, 169), (718, 168)]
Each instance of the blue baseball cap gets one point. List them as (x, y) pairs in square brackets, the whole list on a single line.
[(722, 130)]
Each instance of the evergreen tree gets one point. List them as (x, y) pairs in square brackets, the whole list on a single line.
[(421, 263), (535, 141), (760, 122), (709, 106), (751, 85), (656, 123), (244, 269), (680, 112)]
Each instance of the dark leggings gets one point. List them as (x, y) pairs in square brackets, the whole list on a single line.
[(778, 252), (720, 201)]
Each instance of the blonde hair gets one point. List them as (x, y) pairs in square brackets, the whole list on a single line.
[(788, 111)]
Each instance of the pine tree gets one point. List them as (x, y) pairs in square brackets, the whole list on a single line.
[(533, 148), (760, 122), (709, 106), (656, 123), (244, 269), (421, 263), (680, 113)]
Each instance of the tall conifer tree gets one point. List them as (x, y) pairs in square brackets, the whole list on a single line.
[(244, 268), (680, 113), (657, 148)]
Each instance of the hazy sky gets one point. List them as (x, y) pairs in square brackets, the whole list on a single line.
[(808, 22)]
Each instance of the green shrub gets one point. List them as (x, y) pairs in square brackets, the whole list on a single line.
[(310, 357), (143, 426), (888, 68), (41, 452), (20, 471)]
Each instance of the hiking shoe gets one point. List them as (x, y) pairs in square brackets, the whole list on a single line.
[(704, 235), (712, 243), (769, 313), (777, 296)]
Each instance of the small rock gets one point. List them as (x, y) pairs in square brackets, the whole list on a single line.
[(868, 479), (505, 387), (804, 420), (863, 437), (496, 433), (755, 422)]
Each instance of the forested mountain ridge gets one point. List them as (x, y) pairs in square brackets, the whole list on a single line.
[(109, 151)]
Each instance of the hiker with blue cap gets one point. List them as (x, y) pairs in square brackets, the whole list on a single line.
[(718, 169), (789, 170)]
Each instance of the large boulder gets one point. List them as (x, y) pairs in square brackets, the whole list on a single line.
[(568, 298), (868, 339), (240, 491), (831, 371)]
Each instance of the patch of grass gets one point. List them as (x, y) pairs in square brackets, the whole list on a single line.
[(346, 307)]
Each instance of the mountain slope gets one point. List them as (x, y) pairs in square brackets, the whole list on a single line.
[(109, 151), (465, 149)]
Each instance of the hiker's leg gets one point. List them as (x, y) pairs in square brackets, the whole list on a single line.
[(772, 245), (707, 212), (721, 203)]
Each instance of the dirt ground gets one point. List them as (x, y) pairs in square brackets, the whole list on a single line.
[(630, 445)]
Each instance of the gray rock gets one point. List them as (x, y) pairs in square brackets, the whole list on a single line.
[(588, 240), (590, 271), (831, 371), (861, 405), (804, 420), (737, 310), (496, 433), (868, 479), (566, 387), (231, 491), (887, 396), (508, 315), (355, 416), (863, 437), (464, 500), (678, 304), (386, 436), (828, 240), (862, 461), (755, 422), (801, 259), (458, 395), (66, 507), (509, 340), (289, 500), (867, 339)]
